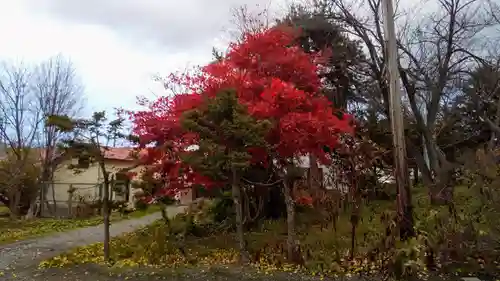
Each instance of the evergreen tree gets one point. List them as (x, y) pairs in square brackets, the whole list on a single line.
[(88, 140), (226, 133)]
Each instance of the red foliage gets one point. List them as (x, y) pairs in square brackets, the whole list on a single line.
[(274, 78), (304, 201)]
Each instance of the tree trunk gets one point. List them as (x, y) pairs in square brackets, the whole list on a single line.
[(71, 191), (52, 210), (33, 210), (405, 210), (106, 212), (418, 156), (290, 215), (14, 205), (236, 193), (415, 176), (406, 229), (441, 190), (164, 216), (44, 188), (314, 179), (354, 225)]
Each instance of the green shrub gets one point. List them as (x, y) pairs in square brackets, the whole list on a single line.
[(141, 205), (222, 209), (167, 200)]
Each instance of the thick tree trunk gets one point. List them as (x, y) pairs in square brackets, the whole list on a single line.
[(406, 228), (236, 193), (44, 188), (290, 216), (419, 159), (14, 205), (106, 213), (436, 177), (442, 189), (439, 166), (33, 210)]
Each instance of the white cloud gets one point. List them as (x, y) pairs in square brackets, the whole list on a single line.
[(117, 46), (175, 25), (113, 69)]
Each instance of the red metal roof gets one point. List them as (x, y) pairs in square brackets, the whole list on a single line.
[(119, 153)]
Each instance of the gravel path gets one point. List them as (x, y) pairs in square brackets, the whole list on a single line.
[(28, 253)]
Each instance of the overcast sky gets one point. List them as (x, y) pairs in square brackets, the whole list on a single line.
[(118, 45)]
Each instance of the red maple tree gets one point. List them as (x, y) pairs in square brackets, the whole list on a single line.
[(274, 78)]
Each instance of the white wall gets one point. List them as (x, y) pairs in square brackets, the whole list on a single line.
[(330, 180)]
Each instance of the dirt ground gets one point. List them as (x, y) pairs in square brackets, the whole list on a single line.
[(98, 273)]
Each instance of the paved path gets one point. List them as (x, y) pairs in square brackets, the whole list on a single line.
[(30, 252)]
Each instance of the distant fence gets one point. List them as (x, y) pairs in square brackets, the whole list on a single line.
[(59, 198), (62, 198)]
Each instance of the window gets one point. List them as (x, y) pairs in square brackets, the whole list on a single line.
[(83, 162), (122, 184)]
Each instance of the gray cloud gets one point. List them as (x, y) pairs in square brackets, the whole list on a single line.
[(172, 24)]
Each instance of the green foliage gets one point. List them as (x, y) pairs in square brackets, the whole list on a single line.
[(318, 33), (4, 210), (114, 205), (88, 138), (23, 167), (141, 205), (226, 131), (222, 209), (19, 175), (166, 200)]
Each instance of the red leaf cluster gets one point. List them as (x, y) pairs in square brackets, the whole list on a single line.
[(304, 201), (274, 78)]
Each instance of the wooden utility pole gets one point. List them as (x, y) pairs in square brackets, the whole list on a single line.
[(405, 211)]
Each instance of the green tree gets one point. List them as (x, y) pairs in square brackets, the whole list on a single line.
[(89, 140), (341, 80), (226, 132), (19, 180)]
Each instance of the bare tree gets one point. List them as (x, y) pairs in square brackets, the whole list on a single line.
[(28, 94), (436, 55), (20, 123), (58, 91), (486, 82), (246, 20), (439, 55)]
